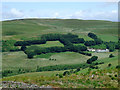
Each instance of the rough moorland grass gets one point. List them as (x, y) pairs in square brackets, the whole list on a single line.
[(101, 79), (33, 27)]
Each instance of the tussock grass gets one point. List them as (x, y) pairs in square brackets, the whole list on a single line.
[(101, 79)]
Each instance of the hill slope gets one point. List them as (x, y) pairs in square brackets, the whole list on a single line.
[(27, 28)]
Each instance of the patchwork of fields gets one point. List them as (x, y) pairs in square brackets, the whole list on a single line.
[(32, 29)]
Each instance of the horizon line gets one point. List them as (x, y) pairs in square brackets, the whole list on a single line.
[(58, 19)]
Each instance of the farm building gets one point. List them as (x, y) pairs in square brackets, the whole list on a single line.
[(102, 50), (98, 50), (91, 49)]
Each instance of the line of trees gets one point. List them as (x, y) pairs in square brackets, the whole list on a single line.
[(65, 67), (112, 45), (66, 39), (32, 51), (95, 41), (108, 45), (6, 73), (61, 67), (92, 35)]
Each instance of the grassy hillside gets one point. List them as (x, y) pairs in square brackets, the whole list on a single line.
[(104, 77), (31, 29), (24, 29)]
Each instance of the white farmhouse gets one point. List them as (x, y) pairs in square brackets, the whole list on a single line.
[(98, 50), (102, 50)]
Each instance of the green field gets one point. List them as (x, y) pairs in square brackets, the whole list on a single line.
[(31, 29), (50, 44), (16, 60)]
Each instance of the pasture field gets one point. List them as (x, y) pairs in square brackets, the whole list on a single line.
[(50, 44), (16, 60)]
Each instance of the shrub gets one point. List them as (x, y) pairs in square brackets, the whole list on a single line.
[(30, 55), (60, 76), (57, 74), (110, 75), (92, 59), (111, 55), (118, 66), (66, 73), (96, 67), (78, 69), (96, 63), (92, 35), (101, 63), (92, 67), (113, 78), (116, 75), (109, 64)]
